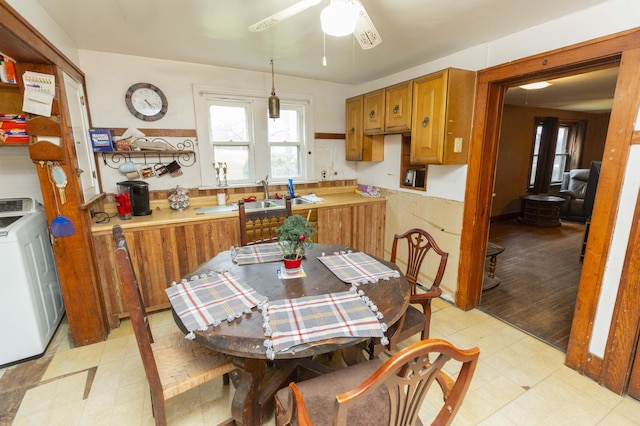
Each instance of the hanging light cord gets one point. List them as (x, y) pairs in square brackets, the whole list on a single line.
[(273, 84)]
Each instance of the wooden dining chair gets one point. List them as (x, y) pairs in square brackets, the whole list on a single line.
[(377, 392), (172, 363), (259, 226), (419, 244)]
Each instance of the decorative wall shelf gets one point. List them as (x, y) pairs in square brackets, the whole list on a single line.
[(184, 155)]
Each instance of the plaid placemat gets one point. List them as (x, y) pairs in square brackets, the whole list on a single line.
[(256, 253), (292, 322), (211, 299), (357, 268)]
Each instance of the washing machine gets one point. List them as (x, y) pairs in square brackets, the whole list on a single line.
[(31, 305)]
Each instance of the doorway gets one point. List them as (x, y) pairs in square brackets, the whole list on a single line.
[(545, 261), (611, 367)]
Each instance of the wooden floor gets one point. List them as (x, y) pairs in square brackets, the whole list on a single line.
[(539, 271)]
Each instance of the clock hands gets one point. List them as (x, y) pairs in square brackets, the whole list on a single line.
[(149, 103)]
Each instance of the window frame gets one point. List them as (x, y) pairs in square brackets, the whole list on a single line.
[(260, 148)]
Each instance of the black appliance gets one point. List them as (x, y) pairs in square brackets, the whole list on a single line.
[(139, 194)]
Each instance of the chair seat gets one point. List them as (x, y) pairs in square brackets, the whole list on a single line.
[(322, 390), (183, 364), (413, 324)]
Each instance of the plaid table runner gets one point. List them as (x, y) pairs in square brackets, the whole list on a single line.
[(256, 253), (211, 299), (292, 322), (357, 268)]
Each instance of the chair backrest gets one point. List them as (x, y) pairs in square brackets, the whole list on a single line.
[(259, 226), (575, 181), (137, 312), (419, 242), (407, 377)]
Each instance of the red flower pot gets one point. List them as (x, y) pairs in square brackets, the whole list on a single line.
[(292, 263)]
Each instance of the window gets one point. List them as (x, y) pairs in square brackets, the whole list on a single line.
[(554, 141), (236, 130)]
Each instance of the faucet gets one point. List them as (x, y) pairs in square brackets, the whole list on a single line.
[(265, 186)]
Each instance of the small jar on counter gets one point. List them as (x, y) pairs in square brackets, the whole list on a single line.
[(179, 198)]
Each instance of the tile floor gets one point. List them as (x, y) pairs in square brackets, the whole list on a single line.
[(519, 381)]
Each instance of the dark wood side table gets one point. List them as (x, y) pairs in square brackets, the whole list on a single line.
[(490, 280), (540, 210)]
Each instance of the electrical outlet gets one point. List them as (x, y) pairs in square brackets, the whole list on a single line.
[(324, 174)]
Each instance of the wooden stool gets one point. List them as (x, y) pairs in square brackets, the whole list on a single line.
[(490, 280)]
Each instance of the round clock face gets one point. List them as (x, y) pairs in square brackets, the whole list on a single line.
[(146, 102)]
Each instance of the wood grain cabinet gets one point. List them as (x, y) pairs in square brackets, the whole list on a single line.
[(373, 112), (441, 117), (358, 146), (397, 115), (360, 227), (160, 255)]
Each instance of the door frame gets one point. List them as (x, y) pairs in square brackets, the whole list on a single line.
[(492, 83)]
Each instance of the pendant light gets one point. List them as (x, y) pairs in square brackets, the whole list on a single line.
[(274, 102)]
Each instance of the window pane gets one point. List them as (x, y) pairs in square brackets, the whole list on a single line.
[(237, 159), (285, 128), (228, 123), (534, 166), (561, 143), (536, 147), (558, 167), (285, 161)]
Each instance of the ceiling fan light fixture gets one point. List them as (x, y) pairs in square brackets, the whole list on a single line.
[(340, 17), (274, 101)]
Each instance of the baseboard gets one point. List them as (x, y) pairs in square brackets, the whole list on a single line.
[(504, 217)]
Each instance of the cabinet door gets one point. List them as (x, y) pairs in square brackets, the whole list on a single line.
[(334, 225), (429, 105), (374, 112), (368, 228), (397, 113), (79, 121), (353, 137)]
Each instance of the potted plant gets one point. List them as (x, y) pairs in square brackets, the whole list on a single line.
[(294, 236)]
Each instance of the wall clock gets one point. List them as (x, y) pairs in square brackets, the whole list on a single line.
[(146, 101)]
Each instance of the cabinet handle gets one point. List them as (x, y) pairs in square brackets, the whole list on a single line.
[(425, 121), (352, 131), (372, 114), (396, 109)]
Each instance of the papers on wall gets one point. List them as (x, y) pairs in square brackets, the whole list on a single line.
[(39, 91)]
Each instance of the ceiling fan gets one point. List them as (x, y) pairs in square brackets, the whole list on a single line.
[(340, 18)]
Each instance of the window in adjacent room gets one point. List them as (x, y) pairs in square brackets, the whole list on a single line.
[(555, 150)]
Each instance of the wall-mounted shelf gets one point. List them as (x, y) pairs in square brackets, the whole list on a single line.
[(420, 184), (184, 155)]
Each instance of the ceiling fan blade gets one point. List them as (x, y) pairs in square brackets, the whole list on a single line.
[(277, 17), (365, 32)]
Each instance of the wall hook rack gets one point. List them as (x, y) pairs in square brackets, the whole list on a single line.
[(183, 154)]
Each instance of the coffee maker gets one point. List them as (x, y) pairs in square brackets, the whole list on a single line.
[(138, 194)]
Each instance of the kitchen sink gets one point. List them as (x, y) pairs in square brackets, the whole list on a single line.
[(272, 204)]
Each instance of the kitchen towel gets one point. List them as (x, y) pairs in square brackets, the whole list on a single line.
[(357, 268), (256, 253), (211, 299), (293, 322)]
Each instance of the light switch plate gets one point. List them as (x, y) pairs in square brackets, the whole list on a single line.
[(457, 145)]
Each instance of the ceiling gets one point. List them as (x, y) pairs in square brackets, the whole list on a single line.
[(587, 92), (216, 32)]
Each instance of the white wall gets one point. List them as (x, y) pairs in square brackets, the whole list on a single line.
[(108, 76), (18, 176)]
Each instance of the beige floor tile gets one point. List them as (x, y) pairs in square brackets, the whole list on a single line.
[(628, 408), (497, 419), (616, 419), (451, 321)]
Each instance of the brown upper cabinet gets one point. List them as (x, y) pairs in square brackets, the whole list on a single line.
[(441, 117), (374, 112), (397, 109), (358, 146)]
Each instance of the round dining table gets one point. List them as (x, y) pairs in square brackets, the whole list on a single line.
[(244, 337)]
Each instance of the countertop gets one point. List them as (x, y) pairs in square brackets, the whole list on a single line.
[(164, 215)]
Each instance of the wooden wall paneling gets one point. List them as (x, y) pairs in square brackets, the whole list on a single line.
[(368, 228)]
